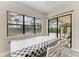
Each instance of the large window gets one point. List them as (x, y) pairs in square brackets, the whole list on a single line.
[(29, 25), (64, 25), (15, 24), (53, 27), (21, 24), (38, 25), (61, 27)]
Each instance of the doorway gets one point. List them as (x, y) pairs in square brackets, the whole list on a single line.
[(61, 27)]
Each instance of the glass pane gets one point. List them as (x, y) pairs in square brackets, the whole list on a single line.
[(14, 18), (29, 25), (63, 26), (38, 25), (53, 27), (15, 30)]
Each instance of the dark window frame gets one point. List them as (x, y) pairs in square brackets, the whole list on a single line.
[(23, 22), (13, 24), (57, 26)]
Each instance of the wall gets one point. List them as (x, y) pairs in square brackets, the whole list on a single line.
[(19, 8), (75, 21), (16, 7)]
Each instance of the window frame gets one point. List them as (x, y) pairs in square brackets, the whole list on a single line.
[(13, 24), (23, 23), (56, 19), (57, 26)]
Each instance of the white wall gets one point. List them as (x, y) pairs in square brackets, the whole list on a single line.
[(75, 21), (16, 7)]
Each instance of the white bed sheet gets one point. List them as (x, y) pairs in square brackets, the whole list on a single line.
[(20, 44)]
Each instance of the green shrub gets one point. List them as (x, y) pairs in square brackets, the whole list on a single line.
[(53, 30)]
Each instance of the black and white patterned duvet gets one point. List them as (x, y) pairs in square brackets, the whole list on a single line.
[(37, 50)]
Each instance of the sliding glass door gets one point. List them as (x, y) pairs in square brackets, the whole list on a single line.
[(64, 24), (61, 27), (52, 30)]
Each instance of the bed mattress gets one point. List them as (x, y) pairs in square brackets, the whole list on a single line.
[(32, 46)]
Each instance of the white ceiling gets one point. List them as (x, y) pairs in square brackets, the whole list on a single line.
[(44, 6)]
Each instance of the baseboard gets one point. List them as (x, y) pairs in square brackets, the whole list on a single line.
[(75, 50), (5, 54)]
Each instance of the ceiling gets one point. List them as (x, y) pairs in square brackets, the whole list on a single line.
[(44, 6)]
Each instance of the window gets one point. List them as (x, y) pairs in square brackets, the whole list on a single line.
[(52, 27), (15, 24), (21, 24), (59, 25), (29, 25), (64, 25), (38, 25)]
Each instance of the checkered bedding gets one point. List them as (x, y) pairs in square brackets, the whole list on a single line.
[(37, 50)]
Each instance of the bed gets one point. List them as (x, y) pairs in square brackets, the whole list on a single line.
[(32, 47)]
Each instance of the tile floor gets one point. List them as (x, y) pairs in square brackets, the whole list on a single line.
[(69, 53)]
